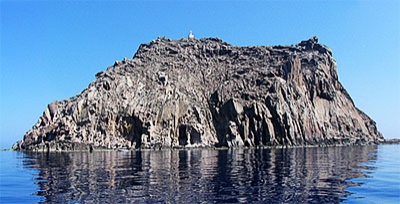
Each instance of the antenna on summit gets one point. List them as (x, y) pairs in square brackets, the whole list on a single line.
[(191, 36)]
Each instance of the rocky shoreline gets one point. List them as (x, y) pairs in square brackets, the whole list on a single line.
[(192, 93), (90, 147), (390, 141)]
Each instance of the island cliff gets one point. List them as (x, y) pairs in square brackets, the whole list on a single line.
[(207, 93)]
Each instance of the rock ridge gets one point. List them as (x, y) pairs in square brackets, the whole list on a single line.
[(208, 93)]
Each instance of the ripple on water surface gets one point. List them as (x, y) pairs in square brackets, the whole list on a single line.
[(332, 174)]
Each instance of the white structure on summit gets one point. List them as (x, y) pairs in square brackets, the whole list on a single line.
[(191, 36)]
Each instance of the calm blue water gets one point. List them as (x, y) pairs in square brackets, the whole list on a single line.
[(369, 174)]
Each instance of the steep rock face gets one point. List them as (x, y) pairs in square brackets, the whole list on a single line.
[(204, 93)]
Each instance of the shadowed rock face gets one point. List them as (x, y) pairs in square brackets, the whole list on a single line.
[(204, 93)]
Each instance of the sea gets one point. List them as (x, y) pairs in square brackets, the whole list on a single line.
[(356, 174)]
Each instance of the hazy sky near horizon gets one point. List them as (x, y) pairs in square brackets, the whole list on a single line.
[(51, 50)]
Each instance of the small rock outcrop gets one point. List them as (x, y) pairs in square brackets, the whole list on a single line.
[(206, 93)]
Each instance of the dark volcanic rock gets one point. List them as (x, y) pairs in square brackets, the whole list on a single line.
[(204, 93)]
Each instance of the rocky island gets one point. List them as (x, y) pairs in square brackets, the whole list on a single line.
[(208, 93)]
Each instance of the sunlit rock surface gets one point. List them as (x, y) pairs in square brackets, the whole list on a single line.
[(207, 93)]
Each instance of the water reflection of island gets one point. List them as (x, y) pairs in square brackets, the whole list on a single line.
[(241, 175)]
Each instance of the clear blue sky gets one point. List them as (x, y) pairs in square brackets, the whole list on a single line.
[(52, 50)]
